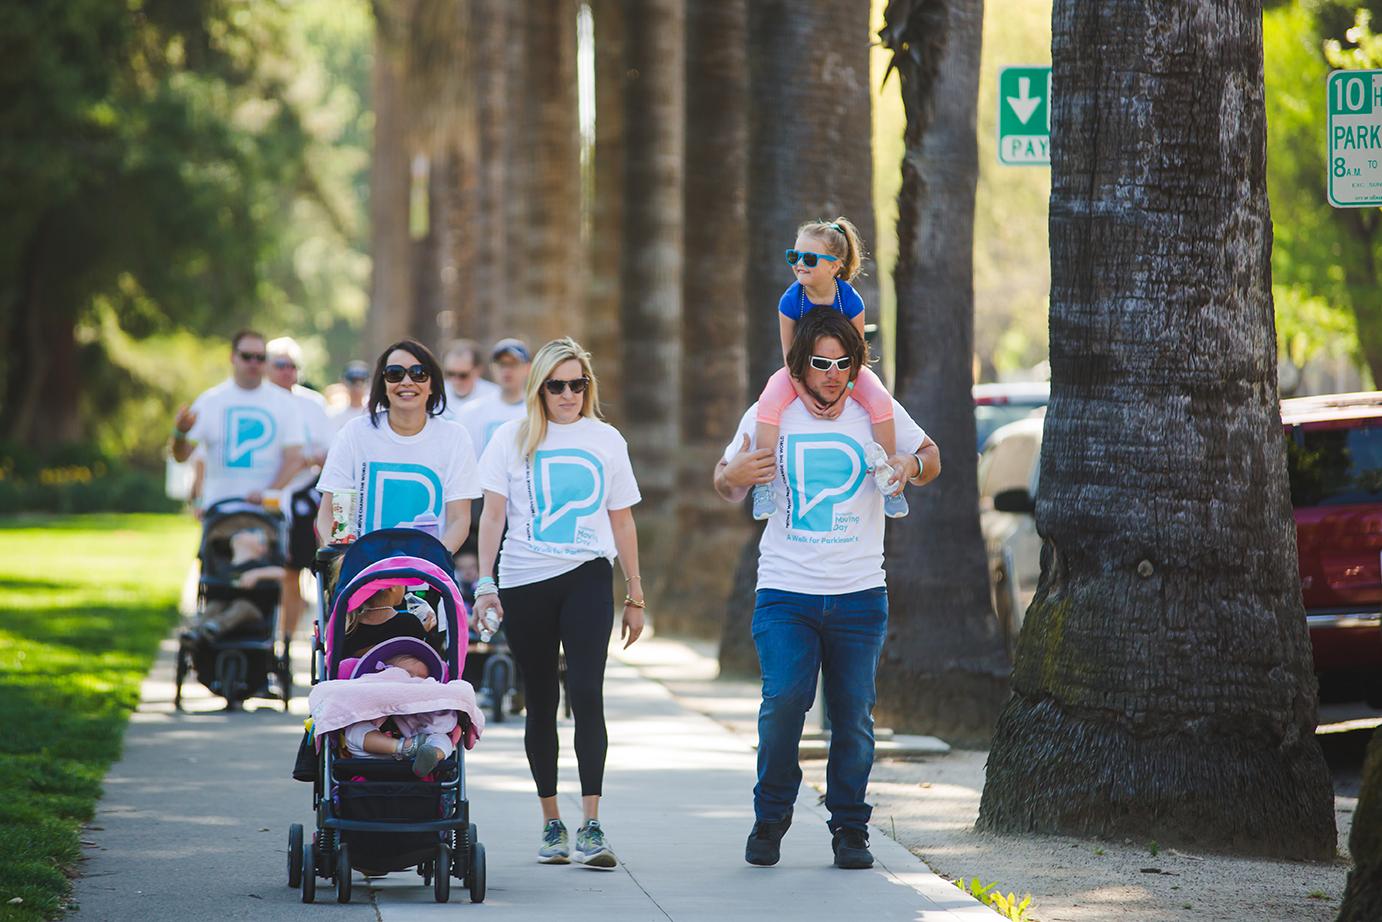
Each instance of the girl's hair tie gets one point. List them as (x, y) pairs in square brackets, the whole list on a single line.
[(836, 227)]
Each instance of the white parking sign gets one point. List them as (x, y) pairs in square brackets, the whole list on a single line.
[(1355, 138)]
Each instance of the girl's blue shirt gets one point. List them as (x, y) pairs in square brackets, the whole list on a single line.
[(794, 303)]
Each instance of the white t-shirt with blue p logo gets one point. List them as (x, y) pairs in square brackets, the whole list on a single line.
[(827, 535), (242, 434), (559, 502), (403, 481)]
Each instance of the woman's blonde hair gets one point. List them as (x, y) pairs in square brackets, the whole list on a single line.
[(533, 430), (842, 239)]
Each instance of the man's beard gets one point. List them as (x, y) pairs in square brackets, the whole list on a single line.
[(820, 400)]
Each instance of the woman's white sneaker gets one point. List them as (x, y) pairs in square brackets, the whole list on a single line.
[(591, 848)]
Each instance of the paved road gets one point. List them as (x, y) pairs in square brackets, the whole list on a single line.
[(193, 826)]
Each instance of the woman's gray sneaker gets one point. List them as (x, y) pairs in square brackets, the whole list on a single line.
[(591, 849), (556, 845)]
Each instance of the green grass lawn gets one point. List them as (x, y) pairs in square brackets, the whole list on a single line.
[(84, 601)]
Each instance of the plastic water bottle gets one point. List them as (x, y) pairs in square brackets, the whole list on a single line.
[(877, 459), (489, 624)]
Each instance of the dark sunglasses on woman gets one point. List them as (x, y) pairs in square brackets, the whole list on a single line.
[(807, 258), (394, 373), (555, 385)]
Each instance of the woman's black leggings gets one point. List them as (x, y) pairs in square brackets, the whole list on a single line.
[(573, 611)]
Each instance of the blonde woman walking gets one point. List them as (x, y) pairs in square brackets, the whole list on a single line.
[(562, 481)]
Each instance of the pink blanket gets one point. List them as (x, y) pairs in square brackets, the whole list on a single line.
[(339, 703)]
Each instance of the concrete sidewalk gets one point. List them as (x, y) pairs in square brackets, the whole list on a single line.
[(194, 825)]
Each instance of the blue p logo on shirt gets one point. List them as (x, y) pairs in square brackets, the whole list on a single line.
[(822, 472), (248, 429), (568, 483), (397, 494)]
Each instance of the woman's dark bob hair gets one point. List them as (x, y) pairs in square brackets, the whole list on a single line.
[(379, 396)]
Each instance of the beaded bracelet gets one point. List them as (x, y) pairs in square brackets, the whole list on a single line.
[(636, 603)]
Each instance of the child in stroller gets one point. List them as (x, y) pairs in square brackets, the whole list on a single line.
[(423, 738), (231, 641), (372, 812)]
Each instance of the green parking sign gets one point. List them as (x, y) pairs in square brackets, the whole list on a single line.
[(1024, 116), (1354, 138)]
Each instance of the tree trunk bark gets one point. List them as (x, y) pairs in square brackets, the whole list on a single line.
[(546, 304), (650, 281), (810, 157), (606, 207), (945, 666), (488, 265), (1163, 686), (1363, 895), (713, 329), (391, 285)]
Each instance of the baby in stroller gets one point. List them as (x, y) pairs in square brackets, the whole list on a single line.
[(250, 565), (387, 689), (230, 644), (424, 738)]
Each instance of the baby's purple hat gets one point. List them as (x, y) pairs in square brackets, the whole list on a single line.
[(374, 659)]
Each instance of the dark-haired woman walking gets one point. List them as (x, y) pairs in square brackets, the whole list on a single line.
[(410, 468)]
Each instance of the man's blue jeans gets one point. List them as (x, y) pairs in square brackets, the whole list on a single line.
[(797, 636)]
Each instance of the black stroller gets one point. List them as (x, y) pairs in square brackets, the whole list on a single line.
[(374, 813), (489, 666), (240, 662)]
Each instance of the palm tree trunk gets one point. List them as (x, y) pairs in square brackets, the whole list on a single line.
[(1363, 895), (606, 206), (650, 281), (945, 667), (486, 239), (810, 156), (1163, 685), (391, 284), (547, 161), (714, 327)]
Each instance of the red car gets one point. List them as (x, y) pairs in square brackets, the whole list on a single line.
[(1334, 455)]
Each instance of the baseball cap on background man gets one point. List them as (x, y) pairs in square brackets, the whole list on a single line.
[(356, 372), (512, 347)]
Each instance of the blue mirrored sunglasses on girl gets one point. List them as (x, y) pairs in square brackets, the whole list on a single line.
[(807, 258)]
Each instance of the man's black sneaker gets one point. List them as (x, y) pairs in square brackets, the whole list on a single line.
[(851, 849), (764, 847)]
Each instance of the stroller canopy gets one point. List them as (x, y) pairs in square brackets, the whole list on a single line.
[(391, 557)]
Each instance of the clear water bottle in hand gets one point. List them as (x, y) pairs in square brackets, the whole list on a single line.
[(877, 459), (488, 624)]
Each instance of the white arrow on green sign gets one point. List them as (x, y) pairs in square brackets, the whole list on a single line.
[(1024, 116), (1354, 138)]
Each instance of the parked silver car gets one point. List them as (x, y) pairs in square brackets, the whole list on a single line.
[(1009, 470)]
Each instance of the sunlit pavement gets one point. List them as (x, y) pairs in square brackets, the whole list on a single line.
[(194, 825)]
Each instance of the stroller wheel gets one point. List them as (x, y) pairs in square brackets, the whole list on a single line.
[(477, 874), (498, 689), (182, 667), (441, 882), (295, 855), (309, 872), (343, 873)]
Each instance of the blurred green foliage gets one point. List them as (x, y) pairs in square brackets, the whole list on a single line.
[(173, 170)]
